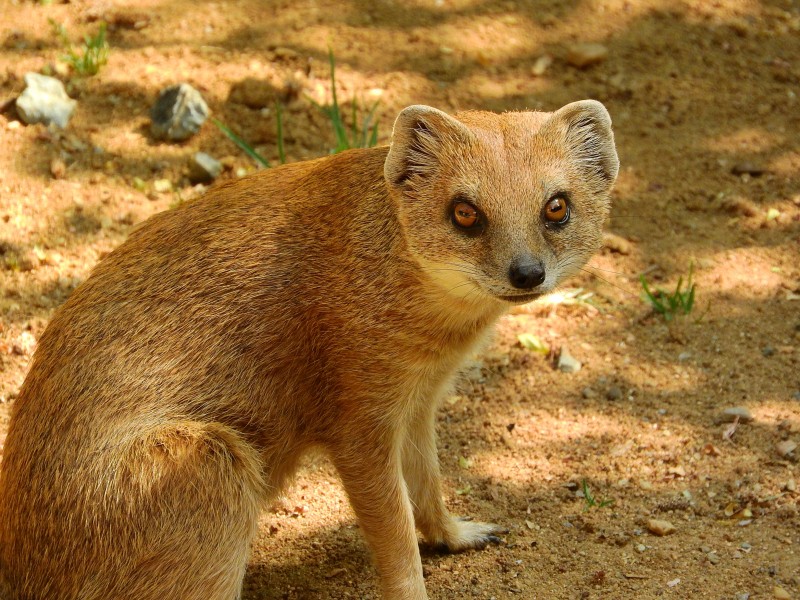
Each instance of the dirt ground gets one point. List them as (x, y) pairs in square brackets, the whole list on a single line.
[(704, 98)]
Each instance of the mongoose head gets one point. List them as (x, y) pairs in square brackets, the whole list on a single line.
[(502, 207)]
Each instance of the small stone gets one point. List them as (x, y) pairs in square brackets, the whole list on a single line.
[(748, 168), (568, 363), (588, 393), (25, 344), (791, 486), (204, 168), (713, 558), (162, 186), (729, 415), (178, 113), (541, 65), (786, 447), (684, 356), (767, 351), (641, 547), (614, 393), (745, 596), (58, 168), (660, 528), (45, 101), (586, 54), (782, 594), (617, 243)]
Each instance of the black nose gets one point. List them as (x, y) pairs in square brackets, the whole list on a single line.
[(526, 274)]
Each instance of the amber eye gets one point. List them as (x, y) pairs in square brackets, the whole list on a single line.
[(556, 211), (465, 215)]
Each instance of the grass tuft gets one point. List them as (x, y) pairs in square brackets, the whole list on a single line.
[(679, 302), (357, 135), (590, 500), (362, 132), (90, 57)]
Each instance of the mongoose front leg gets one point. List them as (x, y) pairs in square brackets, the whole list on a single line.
[(422, 475), (370, 468)]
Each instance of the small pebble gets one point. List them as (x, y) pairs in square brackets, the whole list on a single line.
[(568, 363), (660, 528), (617, 243), (162, 186), (58, 168), (588, 393), (782, 594), (713, 558), (786, 447), (684, 356), (586, 54), (204, 168), (791, 486), (541, 65), (729, 415), (745, 596), (641, 547), (767, 351), (614, 393)]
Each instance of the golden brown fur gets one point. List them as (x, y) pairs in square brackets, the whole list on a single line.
[(328, 303)]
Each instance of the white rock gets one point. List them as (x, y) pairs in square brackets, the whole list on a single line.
[(45, 101)]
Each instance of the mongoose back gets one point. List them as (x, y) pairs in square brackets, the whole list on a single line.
[(325, 304)]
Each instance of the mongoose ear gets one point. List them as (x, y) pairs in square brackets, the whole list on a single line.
[(417, 139), (585, 126)]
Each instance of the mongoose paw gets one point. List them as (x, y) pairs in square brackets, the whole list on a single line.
[(467, 535)]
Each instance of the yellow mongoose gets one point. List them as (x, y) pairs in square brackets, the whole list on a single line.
[(327, 303)]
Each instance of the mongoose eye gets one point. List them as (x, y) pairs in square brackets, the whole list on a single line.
[(556, 211), (466, 216)]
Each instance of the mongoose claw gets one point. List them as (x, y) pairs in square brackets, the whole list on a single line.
[(470, 535)]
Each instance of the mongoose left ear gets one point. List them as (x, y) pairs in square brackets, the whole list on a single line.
[(585, 126), (419, 134)]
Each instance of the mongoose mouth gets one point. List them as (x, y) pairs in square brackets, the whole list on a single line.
[(521, 298)]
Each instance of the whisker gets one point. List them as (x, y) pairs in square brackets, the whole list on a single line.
[(630, 293), (610, 271)]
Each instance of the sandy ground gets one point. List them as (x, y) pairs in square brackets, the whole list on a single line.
[(704, 101)]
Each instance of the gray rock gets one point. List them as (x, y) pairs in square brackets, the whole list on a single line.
[(204, 168), (729, 415), (568, 363), (45, 101), (614, 393), (178, 113)]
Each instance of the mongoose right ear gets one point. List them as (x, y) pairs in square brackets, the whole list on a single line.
[(417, 139), (585, 128)]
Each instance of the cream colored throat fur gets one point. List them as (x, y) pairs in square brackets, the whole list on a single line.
[(326, 303)]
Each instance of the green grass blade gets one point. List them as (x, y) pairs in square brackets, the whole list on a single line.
[(243, 145)]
